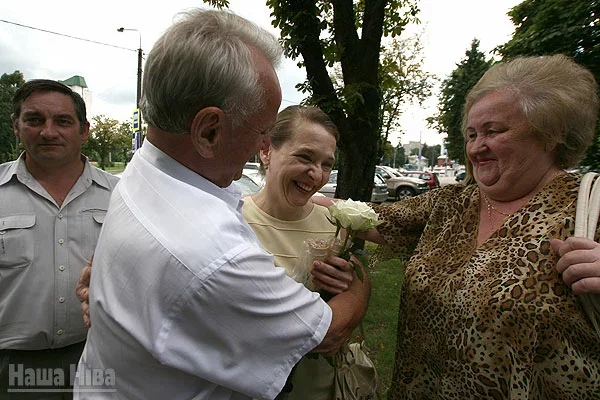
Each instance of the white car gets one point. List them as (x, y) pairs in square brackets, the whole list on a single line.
[(247, 185), (378, 195), (252, 167)]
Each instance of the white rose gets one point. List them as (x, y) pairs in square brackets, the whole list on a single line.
[(354, 215)]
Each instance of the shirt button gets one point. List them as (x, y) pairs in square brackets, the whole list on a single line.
[(61, 299), (59, 332), (61, 241), (61, 268), (60, 216)]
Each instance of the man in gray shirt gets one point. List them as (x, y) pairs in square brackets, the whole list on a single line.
[(52, 205)]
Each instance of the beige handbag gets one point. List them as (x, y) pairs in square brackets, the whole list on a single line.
[(586, 220), (355, 376)]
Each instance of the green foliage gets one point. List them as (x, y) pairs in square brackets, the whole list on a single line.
[(454, 91), (543, 27), (402, 80), (392, 156), (9, 83), (387, 153), (218, 3), (123, 143), (570, 27), (431, 153), (343, 38), (107, 136), (400, 158)]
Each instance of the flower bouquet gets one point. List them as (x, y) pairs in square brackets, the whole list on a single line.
[(350, 218)]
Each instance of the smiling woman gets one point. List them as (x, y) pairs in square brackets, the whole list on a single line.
[(491, 297), (298, 163)]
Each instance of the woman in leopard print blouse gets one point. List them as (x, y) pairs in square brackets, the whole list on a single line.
[(490, 307)]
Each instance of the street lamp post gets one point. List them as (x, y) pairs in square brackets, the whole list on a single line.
[(139, 85)]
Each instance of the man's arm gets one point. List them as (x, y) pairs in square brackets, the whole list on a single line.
[(349, 308)]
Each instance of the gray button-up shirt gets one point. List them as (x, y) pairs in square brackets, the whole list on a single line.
[(43, 247)]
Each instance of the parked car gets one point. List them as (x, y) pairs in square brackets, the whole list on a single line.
[(387, 172), (252, 166), (256, 176), (380, 192), (460, 176), (439, 170), (430, 177), (400, 186), (406, 186), (247, 185), (378, 195)]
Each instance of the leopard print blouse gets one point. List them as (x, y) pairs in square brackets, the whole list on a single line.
[(493, 322)]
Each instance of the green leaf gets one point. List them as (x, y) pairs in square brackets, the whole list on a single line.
[(358, 271)]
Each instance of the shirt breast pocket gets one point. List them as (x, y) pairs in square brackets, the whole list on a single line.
[(89, 224), (16, 240)]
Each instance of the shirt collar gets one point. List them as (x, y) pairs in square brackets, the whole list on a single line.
[(19, 168), (231, 194), (15, 168), (93, 174)]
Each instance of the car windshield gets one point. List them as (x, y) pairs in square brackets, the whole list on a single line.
[(247, 186), (250, 165), (387, 172)]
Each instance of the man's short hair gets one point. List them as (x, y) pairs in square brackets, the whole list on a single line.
[(205, 60), (48, 85)]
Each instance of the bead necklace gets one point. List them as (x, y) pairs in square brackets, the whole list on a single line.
[(490, 207)]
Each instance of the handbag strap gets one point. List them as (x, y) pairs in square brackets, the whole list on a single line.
[(588, 206), (586, 220)]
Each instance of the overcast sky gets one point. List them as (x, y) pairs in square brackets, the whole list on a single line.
[(111, 72)]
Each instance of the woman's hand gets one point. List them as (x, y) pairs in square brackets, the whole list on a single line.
[(579, 263), (334, 276)]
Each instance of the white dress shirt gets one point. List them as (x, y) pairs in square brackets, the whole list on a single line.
[(43, 247), (184, 302)]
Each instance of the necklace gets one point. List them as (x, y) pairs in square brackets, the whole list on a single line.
[(490, 207)]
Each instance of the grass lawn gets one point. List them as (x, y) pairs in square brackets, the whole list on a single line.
[(115, 168), (382, 316)]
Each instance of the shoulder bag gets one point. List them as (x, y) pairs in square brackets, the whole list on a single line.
[(355, 376)]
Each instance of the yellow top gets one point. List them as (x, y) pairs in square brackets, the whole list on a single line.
[(282, 238), (312, 378)]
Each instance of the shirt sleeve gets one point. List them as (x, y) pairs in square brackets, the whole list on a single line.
[(244, 327), (404, 221)]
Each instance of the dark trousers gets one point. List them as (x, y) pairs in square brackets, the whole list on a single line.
[(39, 374)]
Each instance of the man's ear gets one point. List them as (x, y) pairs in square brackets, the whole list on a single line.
[(15, 124), (85, 131), (207, 128)]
